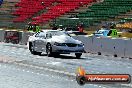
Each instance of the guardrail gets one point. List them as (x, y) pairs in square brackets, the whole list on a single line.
[(106, 46)]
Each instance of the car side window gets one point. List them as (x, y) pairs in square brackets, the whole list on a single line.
[(36, 35), (48, 35), (40, 35)]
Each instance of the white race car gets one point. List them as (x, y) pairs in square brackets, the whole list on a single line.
[(54, 42)]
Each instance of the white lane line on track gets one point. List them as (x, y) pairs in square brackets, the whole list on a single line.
[(103, 87), (34, 72), (100, 86), (42, 74), (27, 71), (38, 73), (13, 52), (95, 85), (57, 71), (47, 69)]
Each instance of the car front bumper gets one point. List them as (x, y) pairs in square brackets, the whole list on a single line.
[(66, 50)]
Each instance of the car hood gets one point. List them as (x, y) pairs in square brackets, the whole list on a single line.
[(65, 39)]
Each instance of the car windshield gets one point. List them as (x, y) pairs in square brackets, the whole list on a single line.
[(58, 33), (70, 29)]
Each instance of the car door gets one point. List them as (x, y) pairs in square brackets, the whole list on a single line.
[(49, 36), (40, 42)]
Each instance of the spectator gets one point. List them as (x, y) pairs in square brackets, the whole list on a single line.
[(30, 27), (80, 28), (37, 27), (112, 32)]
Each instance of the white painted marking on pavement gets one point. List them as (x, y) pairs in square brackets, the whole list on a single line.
[(47, 69), (100, 86), (41, 74), (103, 87), (54, 63), (28, 71), (95, 85), (38, 73)]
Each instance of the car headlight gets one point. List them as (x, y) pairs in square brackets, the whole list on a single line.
[(59, 44), (81, 45)]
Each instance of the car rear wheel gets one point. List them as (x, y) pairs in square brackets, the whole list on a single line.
[(31, 48), (49, 50), (78, 55)]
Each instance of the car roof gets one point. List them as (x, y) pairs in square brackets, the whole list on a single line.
[(49, 30)]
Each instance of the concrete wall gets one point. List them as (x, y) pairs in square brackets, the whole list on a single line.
[(2, 33), (128, 48), (107, 46)]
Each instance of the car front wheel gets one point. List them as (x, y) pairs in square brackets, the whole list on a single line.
[(49, 50), (78, 55)]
